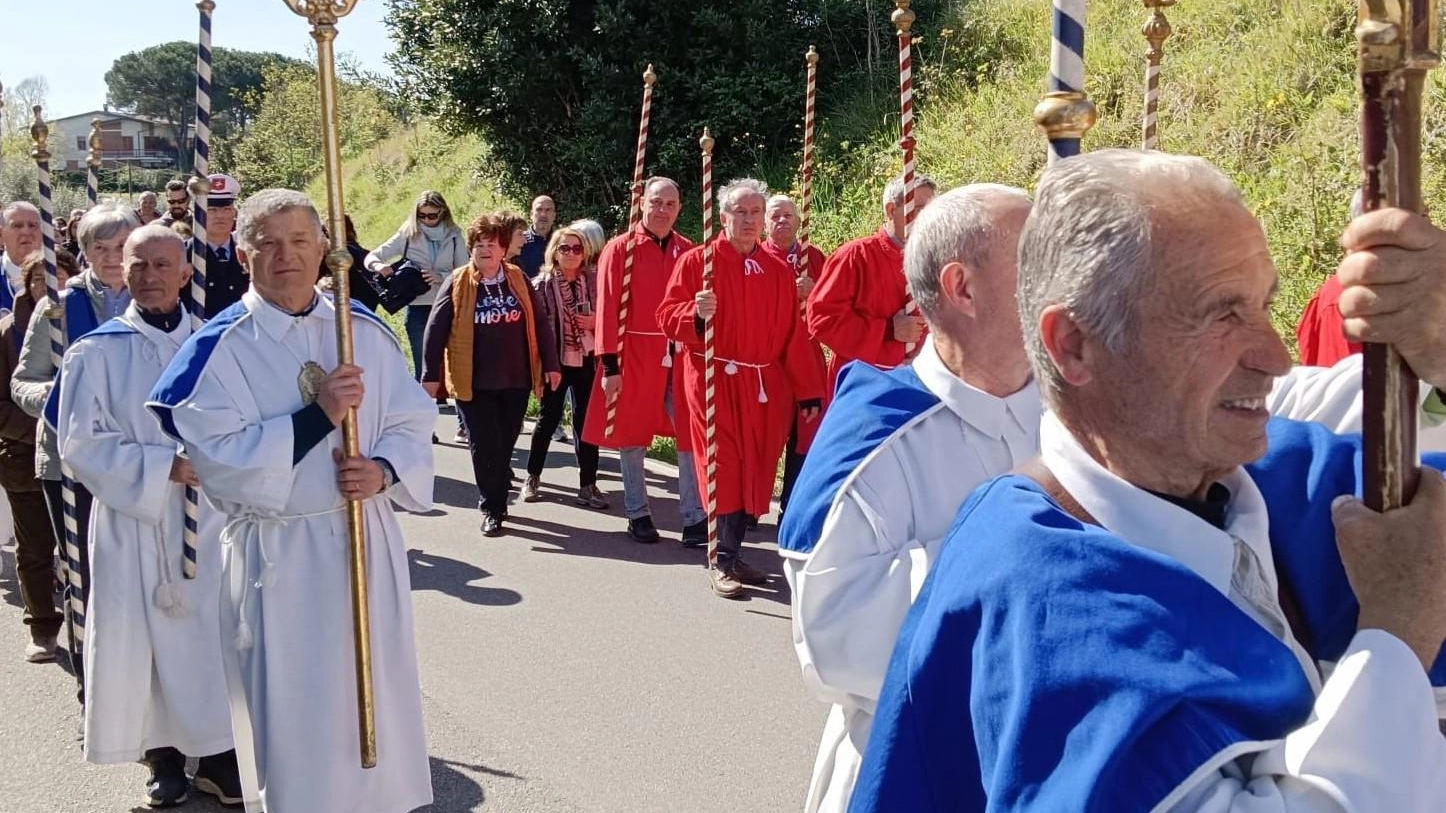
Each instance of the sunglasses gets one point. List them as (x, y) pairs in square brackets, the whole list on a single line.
[(566, 249), (177, 201), (430, 217)]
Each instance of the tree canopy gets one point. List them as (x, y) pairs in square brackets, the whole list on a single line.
[(554, 86)]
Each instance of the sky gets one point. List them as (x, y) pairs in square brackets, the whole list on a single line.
[(72, 43)]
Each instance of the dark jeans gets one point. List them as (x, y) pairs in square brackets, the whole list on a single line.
[(34, 562), (578, 382), (81, 565), (792, 465), (416, 325), (493, 419)]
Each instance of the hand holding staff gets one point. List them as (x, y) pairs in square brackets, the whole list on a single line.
[(635, 216), (323, 16), (710, 391)]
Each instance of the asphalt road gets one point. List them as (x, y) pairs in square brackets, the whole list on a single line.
[(564, 669)]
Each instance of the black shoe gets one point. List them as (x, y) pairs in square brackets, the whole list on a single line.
[(695, 535), (642, 530), (752, 522), (168, 785), (219, 776), (492, 524)]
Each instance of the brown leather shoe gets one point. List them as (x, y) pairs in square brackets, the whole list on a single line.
[(744, 572), (723, 583)]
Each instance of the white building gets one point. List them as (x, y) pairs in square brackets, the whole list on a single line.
[(125, 139)]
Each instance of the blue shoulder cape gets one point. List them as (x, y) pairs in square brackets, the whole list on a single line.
[(869, 407), (80, 321), (1049, 665), (179, 379)]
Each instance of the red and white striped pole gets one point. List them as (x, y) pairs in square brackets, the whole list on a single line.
[(903, 20), (710, 391), (1156, 31), (811, 59), (635, 216)]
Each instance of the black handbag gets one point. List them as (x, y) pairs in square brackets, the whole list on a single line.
[(403, 285)]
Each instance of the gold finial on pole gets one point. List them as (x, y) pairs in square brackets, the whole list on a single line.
[(648, 76), (40, 135), (812, 56), (903, 17), (323, 15), (92, 158)]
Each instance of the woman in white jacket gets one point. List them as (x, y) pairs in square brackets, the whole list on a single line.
[(431, 240)]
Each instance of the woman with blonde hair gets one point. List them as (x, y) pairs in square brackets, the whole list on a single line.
[(568, 289), (488, 339), (431, 240)]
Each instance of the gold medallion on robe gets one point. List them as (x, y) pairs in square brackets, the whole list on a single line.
[(309, 382)]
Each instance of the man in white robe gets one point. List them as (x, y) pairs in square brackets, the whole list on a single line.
[(907, 447), (256, 396), (154, 682), (1114, 640)]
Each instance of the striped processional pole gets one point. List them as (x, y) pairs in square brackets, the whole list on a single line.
[(710, 391), (200, 189), (903, 20), (1066, 113), (1156, 31), (810, 91), (635, 216), (74, 583), (92, 165)]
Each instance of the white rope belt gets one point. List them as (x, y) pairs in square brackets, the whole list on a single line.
[(730, 367), (667, 351), (244, 533)]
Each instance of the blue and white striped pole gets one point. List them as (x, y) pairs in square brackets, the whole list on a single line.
[(74, 583), (1066, 113), (200, 188)]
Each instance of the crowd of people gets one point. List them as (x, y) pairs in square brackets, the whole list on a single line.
[(1063, 527)]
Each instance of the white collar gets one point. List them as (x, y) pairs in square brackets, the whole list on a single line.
[(274, 321), (989, 414), (1146, 521), (132, 316)]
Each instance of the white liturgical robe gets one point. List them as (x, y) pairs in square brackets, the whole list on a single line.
[(286, 612), (153, 675)]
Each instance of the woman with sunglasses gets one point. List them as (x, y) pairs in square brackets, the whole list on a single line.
[(568, 289), (431, 240)]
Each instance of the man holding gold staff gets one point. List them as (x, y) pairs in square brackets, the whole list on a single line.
[(255, 396)]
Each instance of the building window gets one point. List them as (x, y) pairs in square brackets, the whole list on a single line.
[(80, 142)]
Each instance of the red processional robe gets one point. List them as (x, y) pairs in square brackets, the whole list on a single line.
[(760, 338), (641, 414), (816, 260), (852, 308), (1320, 337)]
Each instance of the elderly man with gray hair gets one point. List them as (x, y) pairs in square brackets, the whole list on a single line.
[(763, 371), (1179, 606), (256, 398), (19, 237), (857, 309)]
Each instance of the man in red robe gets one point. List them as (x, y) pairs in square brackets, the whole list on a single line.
[(782, 243), (1320, 337), (764, 370), (857, 308), (643, 380)]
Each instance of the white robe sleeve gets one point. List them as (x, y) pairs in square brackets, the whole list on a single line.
[(854, 590), (410, 417), (1331, 396), (1372, 745), (240, 462), (128, 477)]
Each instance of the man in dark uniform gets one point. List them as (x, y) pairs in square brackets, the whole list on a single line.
[(226, 280)]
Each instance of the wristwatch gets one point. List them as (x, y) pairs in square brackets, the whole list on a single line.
[(389, 474)]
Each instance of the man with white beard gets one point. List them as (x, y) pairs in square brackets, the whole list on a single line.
[(154, 683), (256, 397)]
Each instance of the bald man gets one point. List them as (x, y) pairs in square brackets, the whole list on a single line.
[(534, 245)]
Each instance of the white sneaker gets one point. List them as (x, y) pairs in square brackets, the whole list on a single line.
[(40, 651)]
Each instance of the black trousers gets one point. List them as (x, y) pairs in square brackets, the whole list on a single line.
[(494, 420), (792, 465), (578, 382), (34, 562), (81, 565)]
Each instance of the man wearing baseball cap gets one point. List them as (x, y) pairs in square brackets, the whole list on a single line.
[(226, 280)]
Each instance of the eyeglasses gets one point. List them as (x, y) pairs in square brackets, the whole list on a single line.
[(567, 249), (430, 217)]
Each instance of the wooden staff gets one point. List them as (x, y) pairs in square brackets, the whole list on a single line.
[(810, 91), (1156, 31), (92, 164), (1066, 113), (1399, 40), (74, 581), (200, 189), (323, 17), (710, 392), (903, 20), (635, 216)]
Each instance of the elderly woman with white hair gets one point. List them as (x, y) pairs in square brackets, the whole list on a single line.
[(762, 368), (95, 295)]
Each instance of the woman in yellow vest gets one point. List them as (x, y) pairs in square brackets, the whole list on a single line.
[(486, 336)]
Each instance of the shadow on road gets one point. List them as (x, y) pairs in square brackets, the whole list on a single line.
[(455, 791), (453, 578)]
